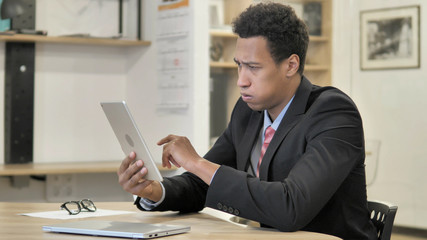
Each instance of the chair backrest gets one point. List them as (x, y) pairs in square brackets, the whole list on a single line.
[(382, 215)]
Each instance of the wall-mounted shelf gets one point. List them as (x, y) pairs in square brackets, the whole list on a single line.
[(233, 65), (317, 67), (228, 34), (223, 65), (72, 40), (222, 33), (319, 39)]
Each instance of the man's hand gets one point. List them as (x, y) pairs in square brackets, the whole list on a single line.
[(131, 177), (179, 151)]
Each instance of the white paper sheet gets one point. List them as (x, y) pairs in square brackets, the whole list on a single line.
[(63, 214)]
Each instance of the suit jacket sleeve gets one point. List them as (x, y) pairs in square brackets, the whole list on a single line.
[(187, 192)]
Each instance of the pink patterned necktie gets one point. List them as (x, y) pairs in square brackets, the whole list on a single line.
[(269, 133)]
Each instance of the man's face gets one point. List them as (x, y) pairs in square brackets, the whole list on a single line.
[(263, 84)]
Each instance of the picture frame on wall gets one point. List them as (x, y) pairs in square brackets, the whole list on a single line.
[(390, 38)]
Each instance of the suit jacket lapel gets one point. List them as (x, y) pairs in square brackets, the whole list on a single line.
[(248, 141), (295, 112)]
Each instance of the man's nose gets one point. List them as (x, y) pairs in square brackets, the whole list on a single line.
[(242, 79)]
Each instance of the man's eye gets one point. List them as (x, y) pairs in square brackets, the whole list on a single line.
[(252, 67)]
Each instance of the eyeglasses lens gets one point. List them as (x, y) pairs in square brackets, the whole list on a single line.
[(88, 205), (72, 207)]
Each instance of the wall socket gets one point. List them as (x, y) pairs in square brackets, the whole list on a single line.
[(60, 187)]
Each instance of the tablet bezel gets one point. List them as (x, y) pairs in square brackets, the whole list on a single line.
[(128, 134)]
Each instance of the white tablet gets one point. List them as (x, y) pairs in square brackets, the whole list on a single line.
[(129, 136)]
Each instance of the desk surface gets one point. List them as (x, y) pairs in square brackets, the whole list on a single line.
[(203, 226), (63, 168)]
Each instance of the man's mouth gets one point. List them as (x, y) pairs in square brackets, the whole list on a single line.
[(246, 97)]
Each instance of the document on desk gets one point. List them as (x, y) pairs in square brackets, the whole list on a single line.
[(65, 215)]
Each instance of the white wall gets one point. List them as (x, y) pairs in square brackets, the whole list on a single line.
[(71, 80), (142, 92), (392, 104)]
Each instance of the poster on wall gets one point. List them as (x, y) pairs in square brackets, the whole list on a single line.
[(390, 38), (173, 39)]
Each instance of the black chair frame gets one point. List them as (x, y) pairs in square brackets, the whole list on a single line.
[(382, 216)]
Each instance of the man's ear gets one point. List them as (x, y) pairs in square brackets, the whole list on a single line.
[(292, 65)]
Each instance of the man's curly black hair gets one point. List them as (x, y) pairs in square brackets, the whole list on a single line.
[(286, 34)]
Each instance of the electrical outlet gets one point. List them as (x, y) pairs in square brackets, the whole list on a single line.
[(60, 187)]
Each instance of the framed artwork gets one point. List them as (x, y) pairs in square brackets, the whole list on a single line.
[(390, 38)]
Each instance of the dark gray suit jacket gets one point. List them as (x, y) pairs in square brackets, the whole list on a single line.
[(312, 176)]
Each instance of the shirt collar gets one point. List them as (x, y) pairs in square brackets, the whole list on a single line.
[(278, 120)]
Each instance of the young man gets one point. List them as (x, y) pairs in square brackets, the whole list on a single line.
[(310, 176)]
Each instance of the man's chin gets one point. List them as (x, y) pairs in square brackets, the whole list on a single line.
[(254, 107)]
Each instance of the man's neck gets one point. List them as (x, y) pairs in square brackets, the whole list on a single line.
[(293, 87)]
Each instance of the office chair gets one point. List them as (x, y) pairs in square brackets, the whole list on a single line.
[(382, 215)]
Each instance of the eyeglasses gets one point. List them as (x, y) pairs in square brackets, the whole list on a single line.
[(75, 207)]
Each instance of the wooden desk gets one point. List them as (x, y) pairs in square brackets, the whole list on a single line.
[(63, 168), (203, 226)]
